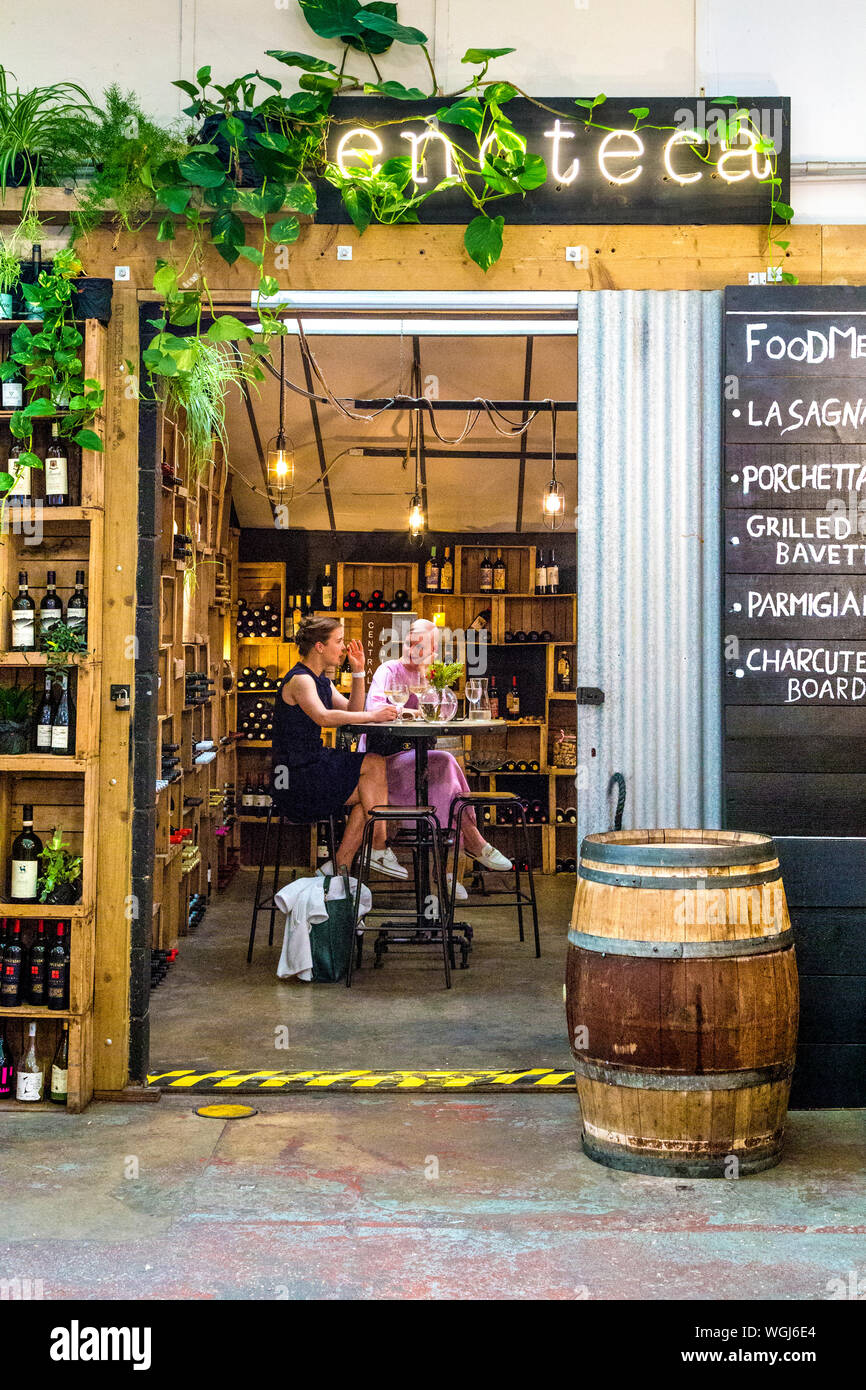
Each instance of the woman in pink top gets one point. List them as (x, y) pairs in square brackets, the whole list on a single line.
[(446, 777)]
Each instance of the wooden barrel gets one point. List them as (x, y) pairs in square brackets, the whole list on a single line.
[(682, 1001)]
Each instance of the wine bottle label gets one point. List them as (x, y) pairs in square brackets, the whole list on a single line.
[(13, 395), (21, 487), (56, 477), (29, 1085), (59, 1081), (59, 737), (43, 736), (5, 1081), (23, 629), (76, 618), (24, 875), (327, 596), (499, 580), (48, 617)]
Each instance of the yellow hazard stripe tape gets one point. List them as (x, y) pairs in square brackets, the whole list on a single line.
[(364, 1079)]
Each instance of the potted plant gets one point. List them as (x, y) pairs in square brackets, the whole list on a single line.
[(442, 675), (16, 712), (60, 876), (10, 274), (44, 133)]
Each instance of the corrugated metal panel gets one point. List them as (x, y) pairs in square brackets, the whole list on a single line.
[(649, 563)]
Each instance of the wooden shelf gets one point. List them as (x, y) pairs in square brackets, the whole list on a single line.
[(36, 1012), (41, 762), (53, 513), (78, 911), (42, 659)]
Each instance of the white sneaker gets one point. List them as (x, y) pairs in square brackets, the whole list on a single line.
[(461, 894), (490, 858), (385, 861), (325, 870)]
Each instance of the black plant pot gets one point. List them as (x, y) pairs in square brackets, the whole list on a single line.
[(14, 736), (91, 298), (65, 894), (248, 175)]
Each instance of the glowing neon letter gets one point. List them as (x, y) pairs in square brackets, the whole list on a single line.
[(420, 138), (557, 135), (682, 137), (634, 153), (343, 152)]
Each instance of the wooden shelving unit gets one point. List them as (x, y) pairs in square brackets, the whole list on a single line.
[(64, 791), (195, 636)]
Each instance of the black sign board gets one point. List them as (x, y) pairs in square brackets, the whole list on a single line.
[(616, 175), (795, 557)]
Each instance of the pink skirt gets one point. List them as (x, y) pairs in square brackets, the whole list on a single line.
[(445, 781)]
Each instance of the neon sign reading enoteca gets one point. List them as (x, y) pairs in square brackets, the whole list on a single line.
[(684, 171)]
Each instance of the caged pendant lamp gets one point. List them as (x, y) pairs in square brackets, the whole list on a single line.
[(553, 497), (281, 450)]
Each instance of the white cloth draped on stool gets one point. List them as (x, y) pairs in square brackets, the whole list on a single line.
[(303, 902)]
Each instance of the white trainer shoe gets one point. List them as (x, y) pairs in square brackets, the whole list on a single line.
[(325, 870), (461, 895), (490, 858), (385, 861)]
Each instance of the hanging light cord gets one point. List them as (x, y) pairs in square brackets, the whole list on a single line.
[(481, 405)]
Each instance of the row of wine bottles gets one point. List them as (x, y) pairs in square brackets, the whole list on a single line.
[(566, 815), (31, 625), (256, 678), (355, 602), (36, 972), (492, 574), (26, 1080), (60, 472), (255, 797)]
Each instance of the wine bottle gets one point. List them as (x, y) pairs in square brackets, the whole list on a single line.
[(57, 987), (13, 965), (540, 574), (30, 1082), (493, 697), (26, 849), (37, 966), (45, 719), (248, 795), (327, 590), (76, 610), (7, 1070), (446, 577), (23, 618), (552, 575), (513, 700), (20, 493), (50, 606), (63, 724), (12, 387), (36, 311), (485, 575), (59, 1092), (431, 573), (56, 471), (499, 573), (563, 672)]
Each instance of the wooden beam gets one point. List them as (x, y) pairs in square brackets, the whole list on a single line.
[(521, 475)]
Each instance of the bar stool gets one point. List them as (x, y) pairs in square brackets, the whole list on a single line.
[(268, 904), (426, 846), (467, 801)]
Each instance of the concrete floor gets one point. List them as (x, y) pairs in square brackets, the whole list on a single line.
[(213, 1010), (339, 1196)]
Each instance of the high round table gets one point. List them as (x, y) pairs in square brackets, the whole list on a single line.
[(424, 732)]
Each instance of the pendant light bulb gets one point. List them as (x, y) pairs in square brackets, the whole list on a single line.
[(416, 518), (553, 497)]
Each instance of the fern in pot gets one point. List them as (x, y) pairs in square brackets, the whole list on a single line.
[(59, 873), (16, 713)]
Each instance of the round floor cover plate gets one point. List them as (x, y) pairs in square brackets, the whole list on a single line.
[(226, 1112)]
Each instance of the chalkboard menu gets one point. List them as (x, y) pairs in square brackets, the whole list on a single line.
[(795, 559)]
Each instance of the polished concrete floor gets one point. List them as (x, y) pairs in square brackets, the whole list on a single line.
[(213, 1010), (411, 1197)]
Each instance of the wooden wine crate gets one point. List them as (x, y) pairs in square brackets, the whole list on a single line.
[(519, 563), (366, 577)]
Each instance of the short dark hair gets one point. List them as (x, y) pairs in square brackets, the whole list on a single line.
[(313, 630)]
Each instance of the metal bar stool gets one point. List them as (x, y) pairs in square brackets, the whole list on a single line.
[(268, 904), (459, 808), (427, 842)]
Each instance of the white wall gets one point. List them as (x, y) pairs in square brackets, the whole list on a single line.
[(814, 53)]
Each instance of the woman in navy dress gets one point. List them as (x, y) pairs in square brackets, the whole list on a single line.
[(311, 782)]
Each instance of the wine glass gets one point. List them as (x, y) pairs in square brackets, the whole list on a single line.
[(397, 691), (474, 691)]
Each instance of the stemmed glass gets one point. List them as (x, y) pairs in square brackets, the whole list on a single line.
[(397, 691), (474, 691)]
